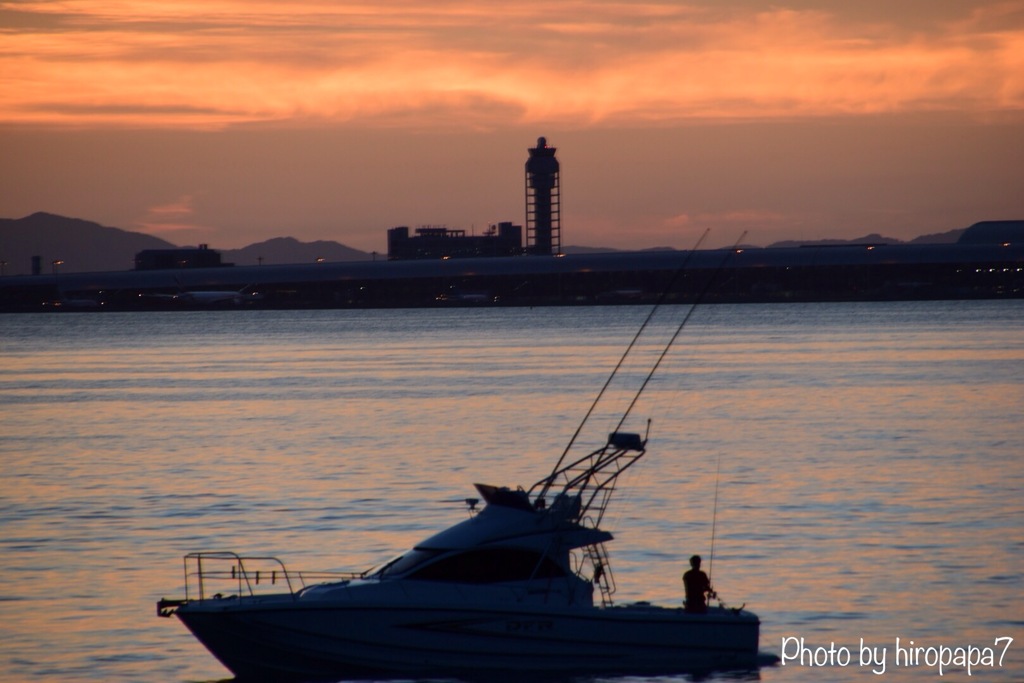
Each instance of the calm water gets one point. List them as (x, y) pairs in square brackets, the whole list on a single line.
[(870, 456)]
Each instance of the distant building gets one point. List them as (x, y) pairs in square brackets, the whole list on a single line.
[(993, 232), (543, 221), (175, 259), (503, 239), (857, 272)]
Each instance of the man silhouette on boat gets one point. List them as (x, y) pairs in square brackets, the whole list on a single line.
[(698, 588)]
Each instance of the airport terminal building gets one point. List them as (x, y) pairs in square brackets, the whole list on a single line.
[(987, 262), (436, 266)]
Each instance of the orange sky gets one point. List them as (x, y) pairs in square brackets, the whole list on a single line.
[(229, 121)]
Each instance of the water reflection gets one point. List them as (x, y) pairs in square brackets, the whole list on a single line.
[(869, 485)]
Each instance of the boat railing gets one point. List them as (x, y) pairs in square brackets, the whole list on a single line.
[(591, 479), (213, 574)]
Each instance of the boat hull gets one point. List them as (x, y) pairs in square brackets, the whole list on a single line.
[(287, 640)]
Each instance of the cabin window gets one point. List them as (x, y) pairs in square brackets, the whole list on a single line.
[(408, 561), (490, 565)]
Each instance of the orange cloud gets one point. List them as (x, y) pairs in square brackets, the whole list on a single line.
[(173, 217), (223, 62), (745, 218)]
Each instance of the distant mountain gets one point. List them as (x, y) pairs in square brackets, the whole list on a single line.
[(287, 250), (949, 237), (588, 250), (873, 238), (577, 249), (84, 246), (81, 245)]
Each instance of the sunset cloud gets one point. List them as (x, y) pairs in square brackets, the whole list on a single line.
[(172, 220), (230, 121), (451, 64)]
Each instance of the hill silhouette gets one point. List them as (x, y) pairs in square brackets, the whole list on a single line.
[(288, 250), (874, 238), (84, 246)]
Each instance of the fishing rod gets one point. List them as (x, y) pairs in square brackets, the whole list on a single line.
[(714, 516)]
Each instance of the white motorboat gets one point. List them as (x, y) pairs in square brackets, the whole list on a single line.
[(510, 589), (522, 587)]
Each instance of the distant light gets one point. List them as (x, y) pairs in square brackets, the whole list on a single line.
[(1006, 244), (319, 259)]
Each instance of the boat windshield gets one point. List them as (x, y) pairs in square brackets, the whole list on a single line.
[(489, 565), (404, 563)]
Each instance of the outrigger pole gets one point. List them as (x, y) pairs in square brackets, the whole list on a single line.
[(621, 450), (654, 309)]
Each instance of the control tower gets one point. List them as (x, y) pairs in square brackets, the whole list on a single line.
[(543, 234)]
